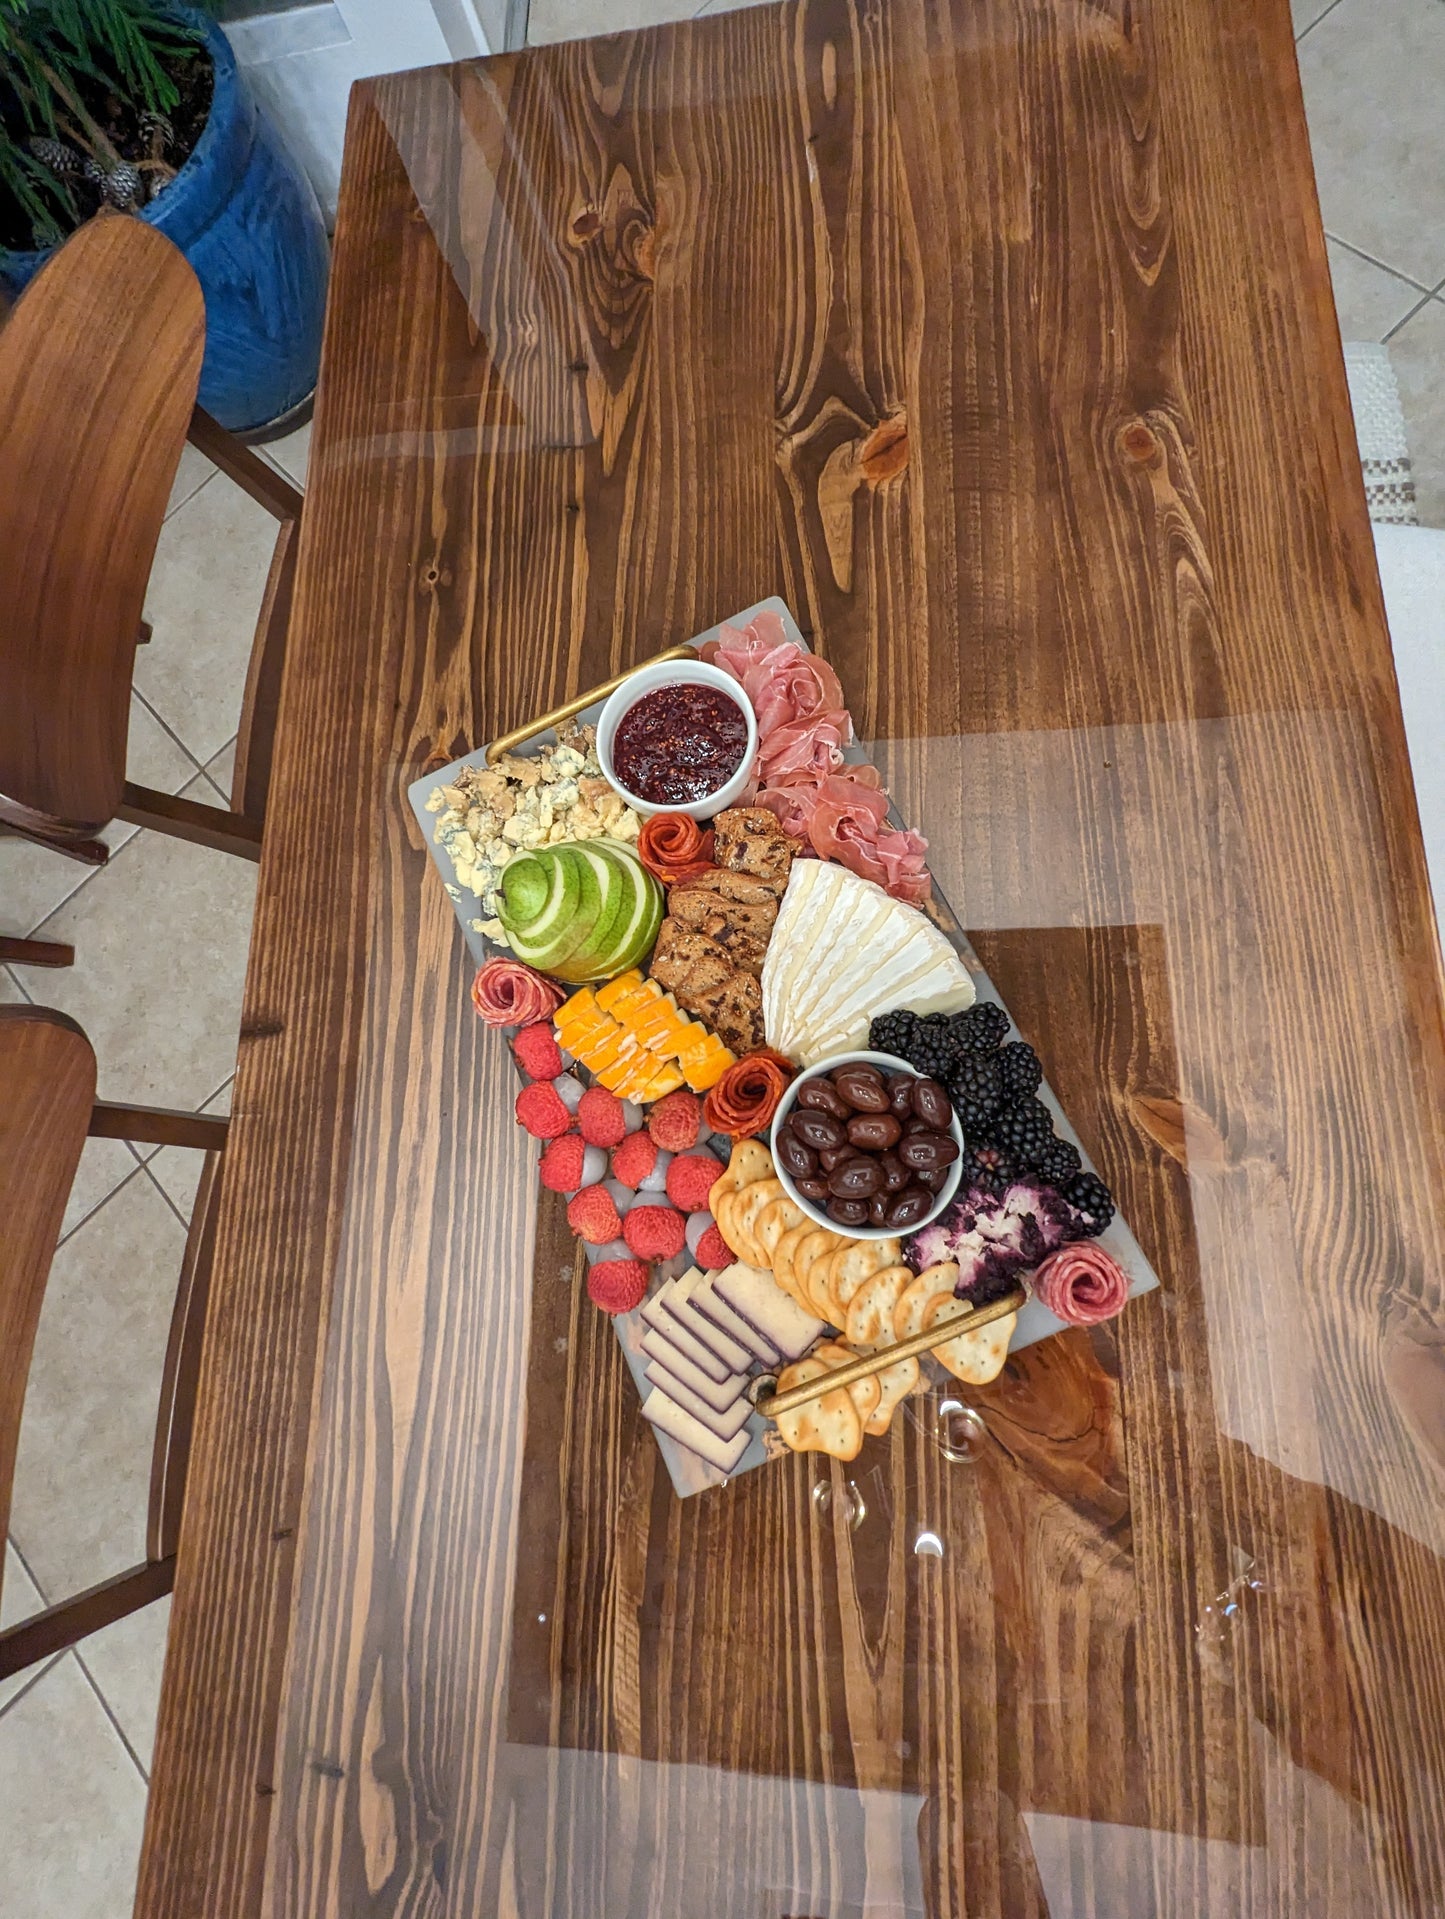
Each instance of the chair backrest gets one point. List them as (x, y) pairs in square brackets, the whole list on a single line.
[(99, 364), (47, 1095)]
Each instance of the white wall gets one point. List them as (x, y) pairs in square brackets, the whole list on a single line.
[(302, 62)]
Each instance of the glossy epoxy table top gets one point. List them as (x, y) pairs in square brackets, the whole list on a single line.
[(997, 337)]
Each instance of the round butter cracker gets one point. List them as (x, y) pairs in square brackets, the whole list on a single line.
[(869, 1319), (827, 1424)]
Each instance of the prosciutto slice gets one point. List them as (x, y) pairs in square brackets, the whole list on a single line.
[(1082, 1284), (805, 751), (801, 773), (784, 684), (848, 824)]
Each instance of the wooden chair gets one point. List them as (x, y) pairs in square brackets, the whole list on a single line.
[(47, 1072), (99, 364)]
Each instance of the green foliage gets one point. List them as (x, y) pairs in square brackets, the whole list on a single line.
[(53, 53)]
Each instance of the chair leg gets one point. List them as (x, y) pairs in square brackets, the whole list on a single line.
[(17, 823), (175, 1418), (188, 820), (35, 953), (74, 1619), (267, 485)]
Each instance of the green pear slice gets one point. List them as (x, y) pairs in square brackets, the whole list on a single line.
[(597, 912), (639, 915), (549, 934)]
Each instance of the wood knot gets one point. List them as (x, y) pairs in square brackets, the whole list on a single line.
[(586, 223), (884, 454), (1139, 443)]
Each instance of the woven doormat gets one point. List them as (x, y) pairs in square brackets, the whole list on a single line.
[(1380, 431)]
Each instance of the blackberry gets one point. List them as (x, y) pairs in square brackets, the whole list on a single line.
[(975, 1086), (889, 1033), (931, 1049), (987, 1168), (1092, 1198), (1025, 1131), (1058, 1163), (1019, 1068), (980, 1028)]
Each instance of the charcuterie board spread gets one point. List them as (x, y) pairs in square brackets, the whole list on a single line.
[(805, 1153)]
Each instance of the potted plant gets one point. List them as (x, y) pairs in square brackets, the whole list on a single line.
[(139, 106)]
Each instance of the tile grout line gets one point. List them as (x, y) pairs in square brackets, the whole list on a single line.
[(1419, 305), (19, 985), (180, 505), (109, 1710), (1395, 273), (104, 1702), (29, 1574), (116, 853), (85, 1218), (1315, 22), (185, 1223), (167, 728), (87, 873), (33, 1681)]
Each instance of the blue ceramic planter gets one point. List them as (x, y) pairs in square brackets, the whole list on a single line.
[(245, 216)]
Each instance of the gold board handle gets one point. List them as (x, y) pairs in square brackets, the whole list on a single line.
[(770, 1405), (576, 705)]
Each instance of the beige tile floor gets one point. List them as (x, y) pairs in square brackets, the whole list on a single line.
[(161, 935)]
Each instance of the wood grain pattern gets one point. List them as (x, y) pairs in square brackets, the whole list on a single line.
[(998, 337)]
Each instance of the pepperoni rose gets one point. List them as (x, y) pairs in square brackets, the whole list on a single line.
[(1081, 1284), (743, 1101), (506, 993), (674, 848)]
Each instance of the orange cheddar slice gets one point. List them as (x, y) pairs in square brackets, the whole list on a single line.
[(704, 1068), (667, 1080), (614, 1046), (582, 1001), (583, 1031), (654, 1025), (615, 990)]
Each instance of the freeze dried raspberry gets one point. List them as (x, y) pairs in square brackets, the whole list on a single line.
[(654, 1232), (676, 1120), (561, 1167), (600, 1115), (541, 1112), (634, 1159), (713, 1251), (690, 1179), (537, 1051), (592, 1215), (617, 1285)]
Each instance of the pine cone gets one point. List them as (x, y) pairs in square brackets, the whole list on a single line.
[(123, 187), (55, 155)]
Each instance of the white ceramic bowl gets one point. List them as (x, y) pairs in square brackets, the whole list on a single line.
[(887, 1063), (677, 673)]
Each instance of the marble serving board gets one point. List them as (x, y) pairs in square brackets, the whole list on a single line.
[(688, 1473)]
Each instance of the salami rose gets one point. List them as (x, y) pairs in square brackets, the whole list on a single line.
[(506, 993), (743, 1101), (1082, 1284), (674, 848)]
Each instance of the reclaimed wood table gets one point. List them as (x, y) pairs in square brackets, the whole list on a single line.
[(997, 336)]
